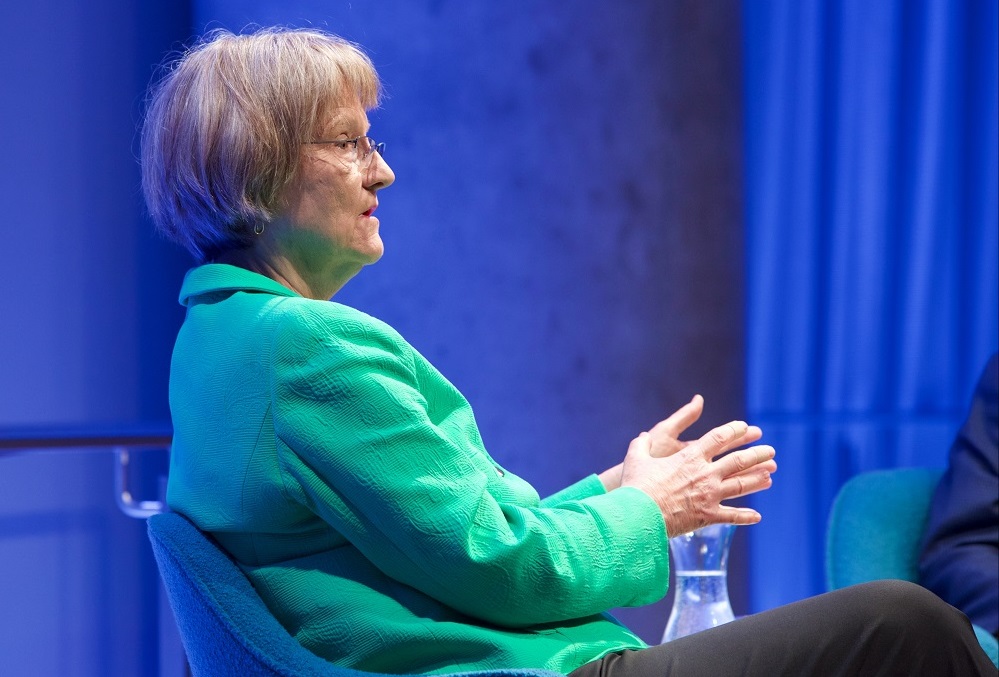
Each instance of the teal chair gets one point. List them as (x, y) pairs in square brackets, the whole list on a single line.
[(224, 625), (875, 529)]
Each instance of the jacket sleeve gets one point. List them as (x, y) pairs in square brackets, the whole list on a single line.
[(425, 504), (960, 558), (584, 488)]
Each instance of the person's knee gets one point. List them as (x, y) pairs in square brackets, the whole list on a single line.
[(904, 596), (901, 604)]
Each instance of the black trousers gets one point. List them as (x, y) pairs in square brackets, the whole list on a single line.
[(880, 628)]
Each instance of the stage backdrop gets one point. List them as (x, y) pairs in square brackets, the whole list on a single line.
[(872, 227)]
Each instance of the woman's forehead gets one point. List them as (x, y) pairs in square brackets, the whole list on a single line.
[(347, 117)]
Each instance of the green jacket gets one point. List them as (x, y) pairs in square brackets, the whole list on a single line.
[(348, 479)]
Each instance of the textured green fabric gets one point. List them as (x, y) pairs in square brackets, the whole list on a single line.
[(349, 480)]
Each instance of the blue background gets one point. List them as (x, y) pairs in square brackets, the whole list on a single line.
[(601, 209)]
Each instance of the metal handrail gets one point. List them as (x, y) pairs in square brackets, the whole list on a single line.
[(129, 505), (70, 437), (123, 440)]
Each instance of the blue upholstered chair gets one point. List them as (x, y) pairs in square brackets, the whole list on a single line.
[(875, 529), (224, 625)]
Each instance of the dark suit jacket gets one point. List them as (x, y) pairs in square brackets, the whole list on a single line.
[(960, 557)]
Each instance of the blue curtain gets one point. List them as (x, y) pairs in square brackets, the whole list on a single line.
[(873, 237)]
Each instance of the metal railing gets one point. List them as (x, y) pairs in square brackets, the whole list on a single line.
[(123, 440)]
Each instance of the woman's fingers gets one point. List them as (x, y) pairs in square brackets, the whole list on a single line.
[(666, 433), (770, 466), (640, 445), (726, 437), (752, 434), (741, 516), (722, 438), (747, 482), (740, 461), (683, 418)]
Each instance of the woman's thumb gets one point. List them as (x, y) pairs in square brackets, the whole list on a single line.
[(641, 445)]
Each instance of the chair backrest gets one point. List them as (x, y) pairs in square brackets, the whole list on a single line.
[(876, 526), (224, 625)]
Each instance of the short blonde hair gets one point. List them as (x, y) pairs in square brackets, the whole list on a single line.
[(224, 128)]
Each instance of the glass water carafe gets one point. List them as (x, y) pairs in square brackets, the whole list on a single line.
[(700, 561)]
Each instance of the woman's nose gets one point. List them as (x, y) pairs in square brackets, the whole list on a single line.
[(380, 175)]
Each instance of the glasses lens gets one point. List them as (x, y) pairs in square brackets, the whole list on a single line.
[(367, 147), (364, 146)]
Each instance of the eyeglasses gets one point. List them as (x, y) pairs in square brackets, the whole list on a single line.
[(360, 149)]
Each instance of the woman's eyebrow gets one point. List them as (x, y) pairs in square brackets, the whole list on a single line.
[(350, 119)]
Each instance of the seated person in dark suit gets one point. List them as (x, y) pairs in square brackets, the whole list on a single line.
[(960, 557)]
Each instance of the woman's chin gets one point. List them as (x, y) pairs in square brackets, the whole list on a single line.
[(375, 250)]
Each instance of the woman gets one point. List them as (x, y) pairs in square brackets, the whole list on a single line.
[(347, 477)]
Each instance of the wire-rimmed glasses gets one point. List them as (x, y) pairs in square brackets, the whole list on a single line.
[(360, 149)]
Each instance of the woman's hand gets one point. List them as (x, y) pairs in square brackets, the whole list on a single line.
[(665, 435), (665, 438), (691, 482)]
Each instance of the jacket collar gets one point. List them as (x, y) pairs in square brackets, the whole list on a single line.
[(215, 279)]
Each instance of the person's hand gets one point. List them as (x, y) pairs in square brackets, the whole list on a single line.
[(665, 438), (690, 484), (665, 435)]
